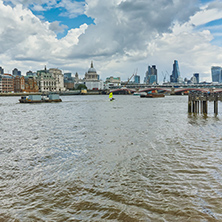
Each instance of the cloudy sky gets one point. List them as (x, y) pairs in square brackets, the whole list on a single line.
[(119, 36)]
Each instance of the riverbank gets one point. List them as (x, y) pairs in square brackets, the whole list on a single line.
[(66, 93), (20, 94)]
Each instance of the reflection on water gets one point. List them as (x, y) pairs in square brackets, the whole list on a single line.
[(89, 159)]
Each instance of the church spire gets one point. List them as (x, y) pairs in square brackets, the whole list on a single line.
[(91, 64)]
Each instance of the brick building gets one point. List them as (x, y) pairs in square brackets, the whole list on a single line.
[(6, 83), (19, 83), (31, 84)]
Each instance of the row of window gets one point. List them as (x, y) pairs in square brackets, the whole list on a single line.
[(51, 89), (48, 83), (6, 86)]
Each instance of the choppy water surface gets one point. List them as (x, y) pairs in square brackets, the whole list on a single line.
[(88, 159)]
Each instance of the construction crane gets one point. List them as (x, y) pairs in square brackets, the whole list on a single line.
[(134, 74), (164, 77)]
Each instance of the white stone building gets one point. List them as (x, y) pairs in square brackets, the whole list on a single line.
[(59, 78), (112, 81), (50, 80), (92, 80)]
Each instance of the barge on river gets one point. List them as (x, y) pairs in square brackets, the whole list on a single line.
[(40, 99), (152, 95)]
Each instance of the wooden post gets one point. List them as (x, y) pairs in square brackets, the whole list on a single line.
[(204, 107), (196, 106), (216, 106), (201, 106), (189, 104), (193, 106)]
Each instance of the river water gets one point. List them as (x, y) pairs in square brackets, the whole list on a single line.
[(89, 159)]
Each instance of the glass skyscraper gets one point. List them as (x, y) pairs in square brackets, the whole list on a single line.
[(216, 73), (175, 73), (196, 75), (151, 75), (1, 70), (16, 72), (137, 79)]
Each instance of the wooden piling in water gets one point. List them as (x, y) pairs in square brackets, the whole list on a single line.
[(189, 104), (198, 102), (216, 107), (201, 107), (204, 107)]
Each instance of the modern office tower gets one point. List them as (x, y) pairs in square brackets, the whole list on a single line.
[(151, 75), (69, 81), (16, 72), (1, 70), (175, 77), (216, 72), (196, 75), (68, 75), (137, 79), (31, 74)]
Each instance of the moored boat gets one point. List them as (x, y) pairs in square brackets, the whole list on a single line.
[(40, 99), (152, 95), (139, 93)]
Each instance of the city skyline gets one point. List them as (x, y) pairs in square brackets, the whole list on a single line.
[(151, 76), (119, 36)]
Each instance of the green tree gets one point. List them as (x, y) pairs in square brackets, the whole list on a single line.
[(81, 86)]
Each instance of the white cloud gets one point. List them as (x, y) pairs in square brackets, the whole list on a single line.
[(215, 5), (26, 3), (25, 39), (38, 8), (205, 16), (193, 51), (57, 27), (73, 8), (127, 34)]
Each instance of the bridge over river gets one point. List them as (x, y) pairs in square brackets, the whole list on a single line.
[(166, 90)]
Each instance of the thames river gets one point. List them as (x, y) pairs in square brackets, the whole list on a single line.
[(89, 159)]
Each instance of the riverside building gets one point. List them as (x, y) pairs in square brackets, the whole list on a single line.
[(69, 81), (59, 78), (19, 83), (112, 81), (31, 84), (91, 79), (50, 80), (6, 83)]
